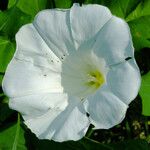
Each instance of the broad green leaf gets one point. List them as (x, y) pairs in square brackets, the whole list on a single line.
[(11, 3), (30, 7), (1, 77), (131, 145), (145, 94), (11, 20), (139, 22), (120, 8), (63, 4), (16, 139), (6, 52), (12, 138), (140, 29), (142, 9), (137, 14)]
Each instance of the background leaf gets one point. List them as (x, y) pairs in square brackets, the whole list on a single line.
[(12, 138), (63, 4), (7, 49), (1, 77), (141, 10), (11, 20), (137, 15), (145, 94), (30, 7)]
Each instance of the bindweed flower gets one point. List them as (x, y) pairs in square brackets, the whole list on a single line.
[(72, 68)]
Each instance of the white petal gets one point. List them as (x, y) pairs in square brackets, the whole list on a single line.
[(86, 21), (105, 109), (24, 78), (124, 80), (54, 27), (32, 106), (113, 42), (71, 124), (32, 48)]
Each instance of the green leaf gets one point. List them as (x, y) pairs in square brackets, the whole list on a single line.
[(137, 14), (30, 7), (140, 29), (142, 9), (1, 77), (6, 53), (15, 143), (139, 22), (123, 8), (120, 8), (12, 138), (63, 4), (145, 94), (11, 20)]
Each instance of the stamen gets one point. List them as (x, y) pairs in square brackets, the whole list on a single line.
[(95, 79)]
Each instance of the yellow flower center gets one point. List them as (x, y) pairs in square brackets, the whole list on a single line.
[(96, 79), (83, 73)]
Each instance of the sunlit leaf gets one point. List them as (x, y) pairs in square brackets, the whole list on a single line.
[(12, 138), (1, 77), (30, 7), (16, 139), (120, 8), (137, 14), (6, 53), (145, 94), (63, 4), (142, 9), (140, 29), (11, 20)]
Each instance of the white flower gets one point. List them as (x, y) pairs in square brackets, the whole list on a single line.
[(69, 63)]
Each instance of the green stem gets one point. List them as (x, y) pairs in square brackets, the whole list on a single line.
[(92, 140), (89, 133)]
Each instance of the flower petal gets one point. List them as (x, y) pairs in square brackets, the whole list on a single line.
[(24, 78), (71, 124), (105, 109), (82, 18), (113, 42), (124, 80), (54, 27), (32, 106), (32, 48)]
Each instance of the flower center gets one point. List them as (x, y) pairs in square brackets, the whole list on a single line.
[(96, 79), (82, 74)]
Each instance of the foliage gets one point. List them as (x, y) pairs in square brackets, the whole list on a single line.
[(7, 49), (137, 15), (15, 136), (145, 94)]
